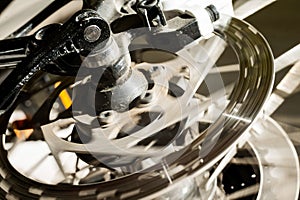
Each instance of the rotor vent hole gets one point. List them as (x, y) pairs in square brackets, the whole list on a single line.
[(185, 72)]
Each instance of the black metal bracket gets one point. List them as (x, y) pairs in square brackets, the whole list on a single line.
[(66, 39), (81, 34)]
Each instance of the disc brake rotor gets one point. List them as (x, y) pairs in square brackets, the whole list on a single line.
[(167, 109)]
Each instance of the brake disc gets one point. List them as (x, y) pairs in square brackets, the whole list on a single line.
[(171, 106)]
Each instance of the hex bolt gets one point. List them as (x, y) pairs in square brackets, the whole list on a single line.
[(92, 33), (107, 117)]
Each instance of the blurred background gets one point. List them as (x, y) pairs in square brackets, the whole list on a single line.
[(280, 24)]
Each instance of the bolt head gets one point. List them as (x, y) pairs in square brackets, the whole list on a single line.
[(107, 117), (92, 33)]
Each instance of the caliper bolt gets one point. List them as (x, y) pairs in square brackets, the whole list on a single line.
[(92, 33)]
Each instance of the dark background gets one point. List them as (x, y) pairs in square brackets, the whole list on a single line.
[(280, 24)]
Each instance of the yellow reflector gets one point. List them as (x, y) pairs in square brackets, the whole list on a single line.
[(64, 97), (23, 134)]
